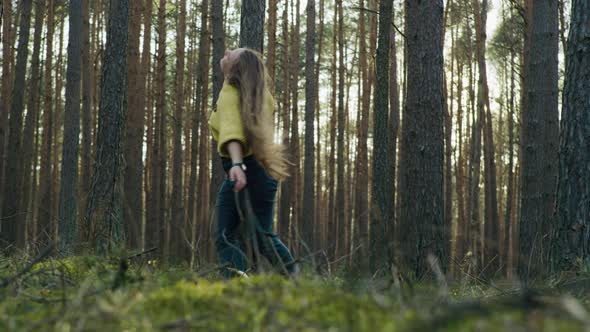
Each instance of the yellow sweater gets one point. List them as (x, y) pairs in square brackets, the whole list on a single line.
[(226, 123)]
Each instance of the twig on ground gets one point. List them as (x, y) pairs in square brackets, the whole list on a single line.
[(42, 255)]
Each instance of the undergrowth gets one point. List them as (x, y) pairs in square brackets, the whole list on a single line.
[(89, 293)]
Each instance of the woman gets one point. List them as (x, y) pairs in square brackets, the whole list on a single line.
[(243, 127)]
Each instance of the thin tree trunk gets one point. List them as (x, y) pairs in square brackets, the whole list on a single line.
[(508, 220), (319, 174), (57, 120), (87, 86), (307, 213), (394, 124), (362, 168), (44, 215), (285, 198), (133, 145), (178, 231), (332, 222), (491, 261), (340, 185), (294, 142), (198, 140), (31, 122), (218, 50), (272, 42)]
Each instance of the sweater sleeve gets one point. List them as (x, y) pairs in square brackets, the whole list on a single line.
[(229, 120)]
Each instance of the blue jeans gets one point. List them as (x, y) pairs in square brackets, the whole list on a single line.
[(262, 189)]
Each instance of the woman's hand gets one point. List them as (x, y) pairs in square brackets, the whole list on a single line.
[(237, 175)]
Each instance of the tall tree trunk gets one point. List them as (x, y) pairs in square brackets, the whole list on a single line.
[(44, 215), (57, 120), (162, 131), (68, 198), (5, 96), (307, 215), (294, 142), (539, 141), (319, 174), (133, 145), (105, 201), (381, 222), (508, 220), (332, 222), (392, 132), (361, 205), (87, 87), (218, 50), (422, 143), (31, 122), (252, 24), (178, 231), (285, 198), (571, 242), (491, 261), (151, 228), (197, 139), (12, 221), (473, 224), (204, 154), (461, 234), (272, 42), (340, 185)]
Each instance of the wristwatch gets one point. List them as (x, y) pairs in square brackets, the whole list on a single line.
[(241, 165)]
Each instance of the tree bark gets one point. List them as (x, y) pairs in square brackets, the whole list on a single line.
[(307, 215), (5, 96), (422, 155), (539, 141), (340, 162), (218, 50), (12, 221), (31, 122), (197, 140), (133, 145), (252, 24), (68, 198), (177, 229), (571, 240), (272, 42), (381, 223), (285, 194), (392, 132), (105, 201), (491, 259), (361, 204), (87, 87), (44, 215)]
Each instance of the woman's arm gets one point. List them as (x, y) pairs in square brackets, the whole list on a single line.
[(236, 173)]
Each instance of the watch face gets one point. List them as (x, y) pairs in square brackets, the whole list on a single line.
[(244, 167)]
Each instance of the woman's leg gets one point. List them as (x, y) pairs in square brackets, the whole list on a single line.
[(229, 247), (263, 190)]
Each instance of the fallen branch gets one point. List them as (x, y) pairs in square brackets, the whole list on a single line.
[(42, 255)]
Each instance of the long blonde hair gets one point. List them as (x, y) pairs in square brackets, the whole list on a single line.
[(248, 75)]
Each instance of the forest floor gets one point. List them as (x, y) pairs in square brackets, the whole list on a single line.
[(88, 293)]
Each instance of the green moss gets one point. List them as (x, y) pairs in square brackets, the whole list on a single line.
[(177, 299)]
